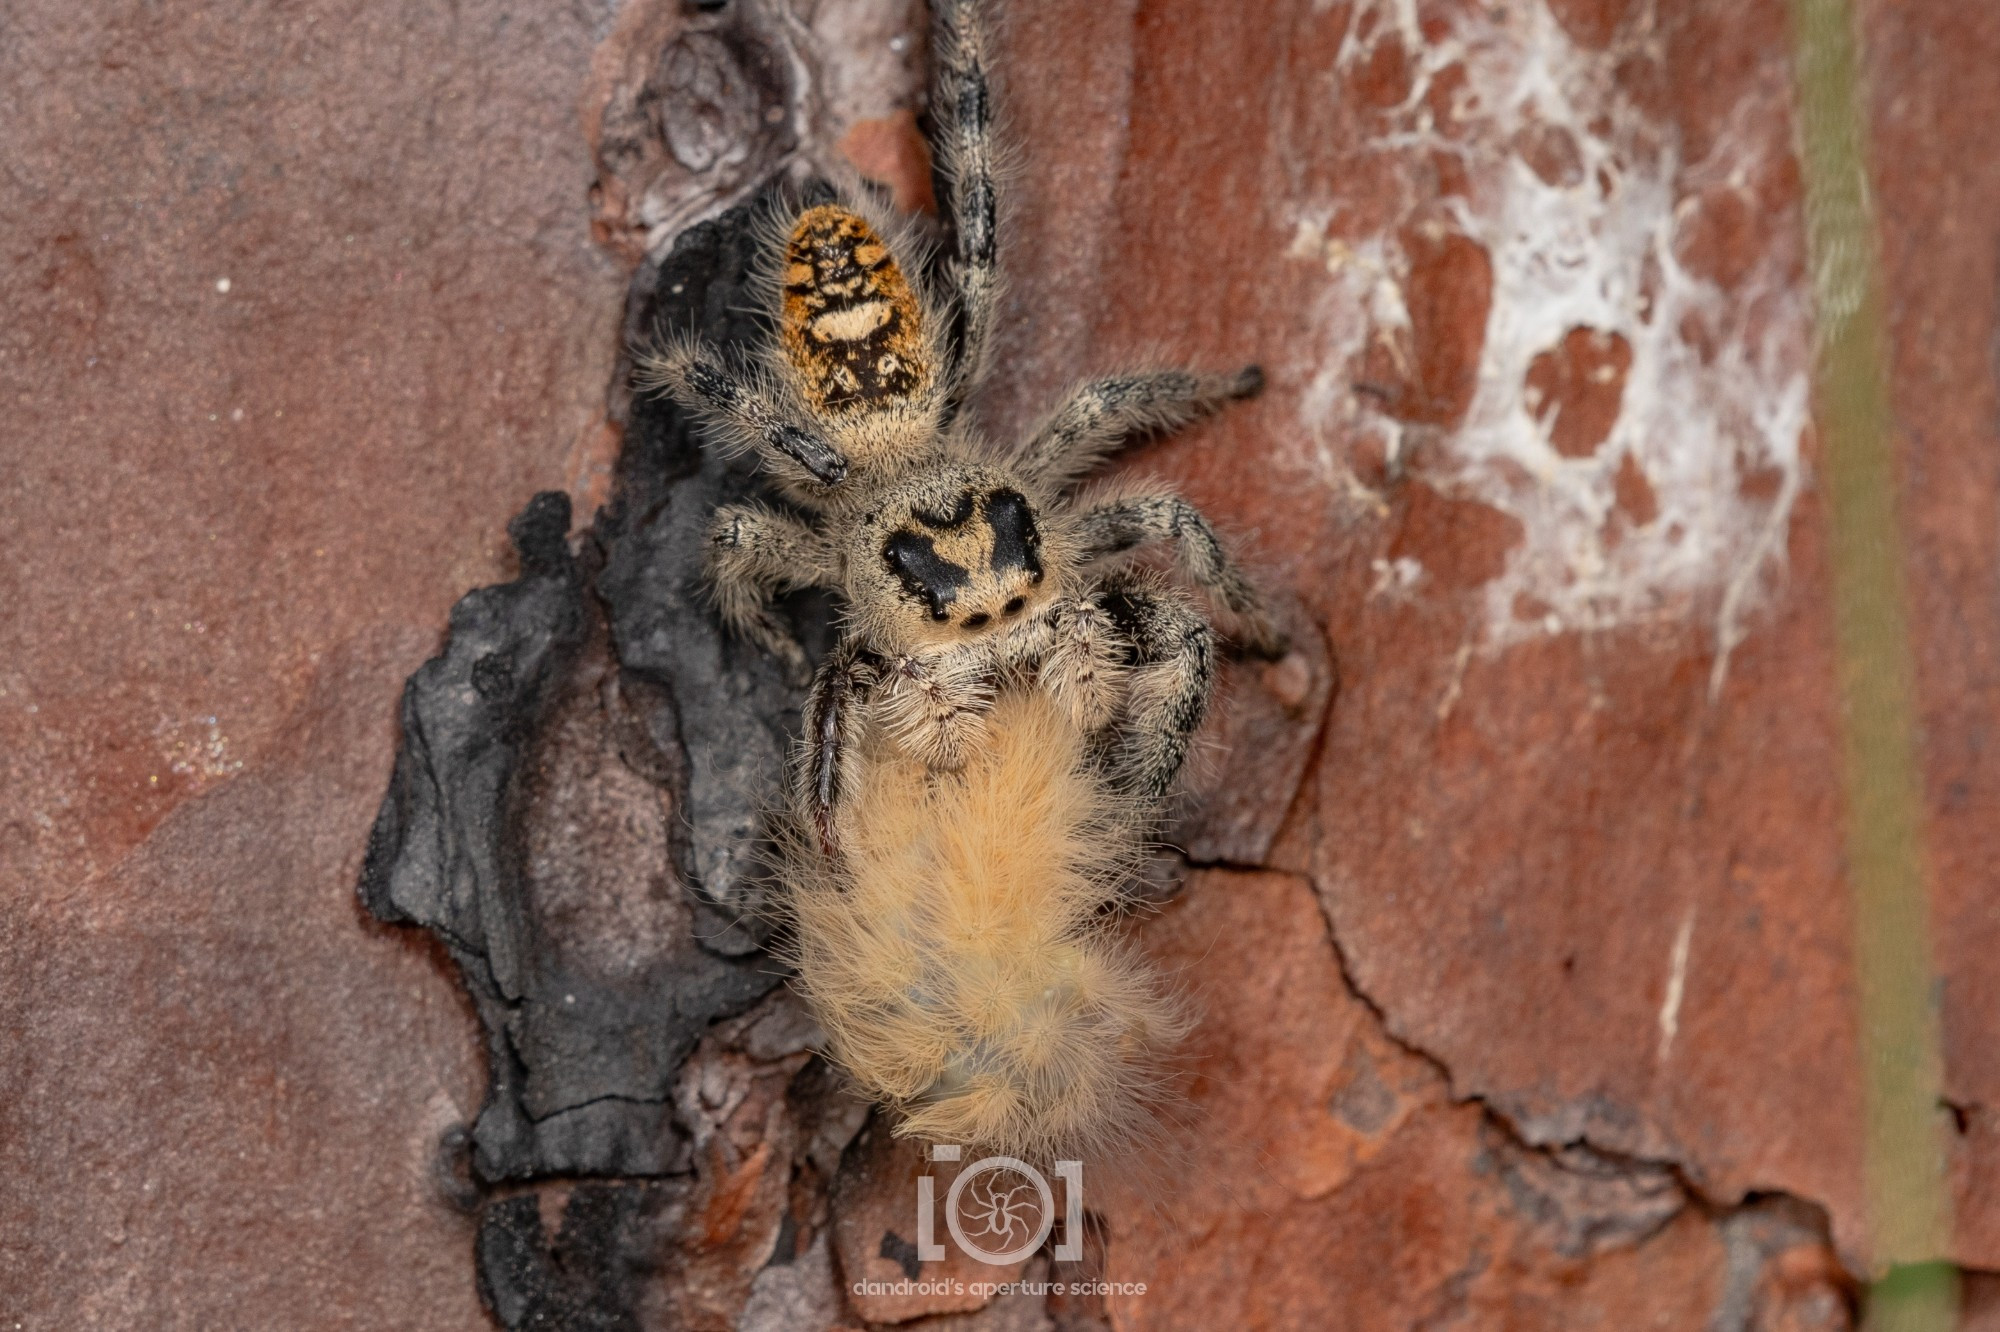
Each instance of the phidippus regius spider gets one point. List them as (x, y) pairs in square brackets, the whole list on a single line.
[(963, 565)]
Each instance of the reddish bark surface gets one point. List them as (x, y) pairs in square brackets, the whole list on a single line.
[(301, 303), (1527, 981)]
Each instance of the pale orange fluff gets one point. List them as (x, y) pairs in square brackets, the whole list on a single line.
[(958, 953)]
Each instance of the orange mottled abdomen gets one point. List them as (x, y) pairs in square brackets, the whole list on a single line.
[(850, 325)]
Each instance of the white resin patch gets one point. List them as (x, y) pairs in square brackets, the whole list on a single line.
[(1701, 411)]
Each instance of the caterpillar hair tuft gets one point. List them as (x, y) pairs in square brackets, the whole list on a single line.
[(958, 953)]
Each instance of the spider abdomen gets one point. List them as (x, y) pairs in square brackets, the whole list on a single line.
[(850, 324)]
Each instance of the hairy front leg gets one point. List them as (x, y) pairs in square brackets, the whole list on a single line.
[(962, 103), (743, 407), (1123, 524), (1100, 416), (825, 776), (934, 708), (754, 555), (1083, 666), (1073, 653), (1170, 681)]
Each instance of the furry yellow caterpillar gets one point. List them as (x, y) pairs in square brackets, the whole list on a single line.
[(993, 737), (956, 951)]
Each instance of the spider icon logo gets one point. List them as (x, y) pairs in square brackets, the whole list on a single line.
[(1000, 1209), (1002, 1204)]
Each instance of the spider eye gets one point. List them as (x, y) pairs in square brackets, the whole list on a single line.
[(977, 621), (1014, 607)]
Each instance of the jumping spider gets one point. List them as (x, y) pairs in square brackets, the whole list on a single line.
[(962, 565)]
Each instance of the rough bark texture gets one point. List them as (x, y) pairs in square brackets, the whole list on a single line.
[(1515, 915)]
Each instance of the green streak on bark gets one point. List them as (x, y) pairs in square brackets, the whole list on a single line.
[(1909, 1208)]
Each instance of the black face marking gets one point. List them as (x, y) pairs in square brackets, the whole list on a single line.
[(1017, 542), (977, 621), (960, 514), (1013, 607), (926, 575)]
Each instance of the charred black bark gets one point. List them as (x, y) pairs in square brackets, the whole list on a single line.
[(576, 812)]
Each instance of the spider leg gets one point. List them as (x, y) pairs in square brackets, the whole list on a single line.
[(754, 554), (742, 406), (935, 708), (824, 773), (1122, 524), (963, 106), (1083, 667), (1103, 414), (1170, 680)]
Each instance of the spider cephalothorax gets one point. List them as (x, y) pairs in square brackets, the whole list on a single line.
[(962, 565), (954, 555)]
